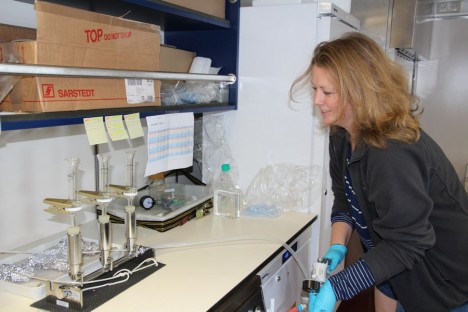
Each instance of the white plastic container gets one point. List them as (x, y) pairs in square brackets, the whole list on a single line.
[(226, 196)]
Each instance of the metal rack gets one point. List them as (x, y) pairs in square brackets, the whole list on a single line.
[(17, 121), (63, 71)]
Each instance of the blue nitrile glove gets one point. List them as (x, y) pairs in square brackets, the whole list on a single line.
[(336, 254), (312, 298), (324, 301)]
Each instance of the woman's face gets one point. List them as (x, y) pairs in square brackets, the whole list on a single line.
[(327, 100)]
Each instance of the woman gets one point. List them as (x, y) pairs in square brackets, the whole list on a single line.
[(391, 183)]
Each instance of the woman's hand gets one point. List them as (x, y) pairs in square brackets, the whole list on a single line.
[(324, 301), (336, 254)]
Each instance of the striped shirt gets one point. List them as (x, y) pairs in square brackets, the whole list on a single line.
[(357, 277)]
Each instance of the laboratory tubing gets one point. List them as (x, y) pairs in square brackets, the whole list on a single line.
[(226, 196)]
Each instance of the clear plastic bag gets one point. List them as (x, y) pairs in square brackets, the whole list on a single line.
[(189, 92), (277, 189)]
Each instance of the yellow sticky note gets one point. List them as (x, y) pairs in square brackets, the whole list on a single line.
[(115, 128), (134, 125), (95, 130)]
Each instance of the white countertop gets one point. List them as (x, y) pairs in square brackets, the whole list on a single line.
[(195, 277)]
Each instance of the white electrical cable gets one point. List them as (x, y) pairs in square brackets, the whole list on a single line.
[(124, 272), (138, 268), (120, 273), (228, 240)]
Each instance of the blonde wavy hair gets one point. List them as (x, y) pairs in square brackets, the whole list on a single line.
[(376, 87)]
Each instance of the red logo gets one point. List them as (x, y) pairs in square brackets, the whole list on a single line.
[(48, 90), (93, 35)]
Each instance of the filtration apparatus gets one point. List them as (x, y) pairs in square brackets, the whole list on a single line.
[(90, 266)]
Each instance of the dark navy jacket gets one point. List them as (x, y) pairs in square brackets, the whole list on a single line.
[(416, 210)]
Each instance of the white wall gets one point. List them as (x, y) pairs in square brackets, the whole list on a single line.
[(17, 13), (33, 167)]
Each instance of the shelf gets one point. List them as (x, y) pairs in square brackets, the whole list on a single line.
[(206, 35), (16, 121), (19, 121)]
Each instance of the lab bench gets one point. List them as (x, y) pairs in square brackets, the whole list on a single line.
[(205, 259)]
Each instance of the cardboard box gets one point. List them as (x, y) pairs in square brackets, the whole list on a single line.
[(211, 7), (78, 38), (6, 82), (175, 60), (10, 32), (3, 52)]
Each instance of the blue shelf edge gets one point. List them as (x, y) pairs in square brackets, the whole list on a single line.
[(28, 121)]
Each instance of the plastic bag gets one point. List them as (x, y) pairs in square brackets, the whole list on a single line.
[(189, 92), (277, 189)]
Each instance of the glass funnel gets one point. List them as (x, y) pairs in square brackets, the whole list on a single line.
[(105, 197), (130, 189), (72, 177)]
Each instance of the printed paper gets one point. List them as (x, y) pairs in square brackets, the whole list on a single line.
[(170, 142)]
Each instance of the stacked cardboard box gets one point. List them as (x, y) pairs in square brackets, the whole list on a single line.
[(175, 60), (78, 38), (210, 7)]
